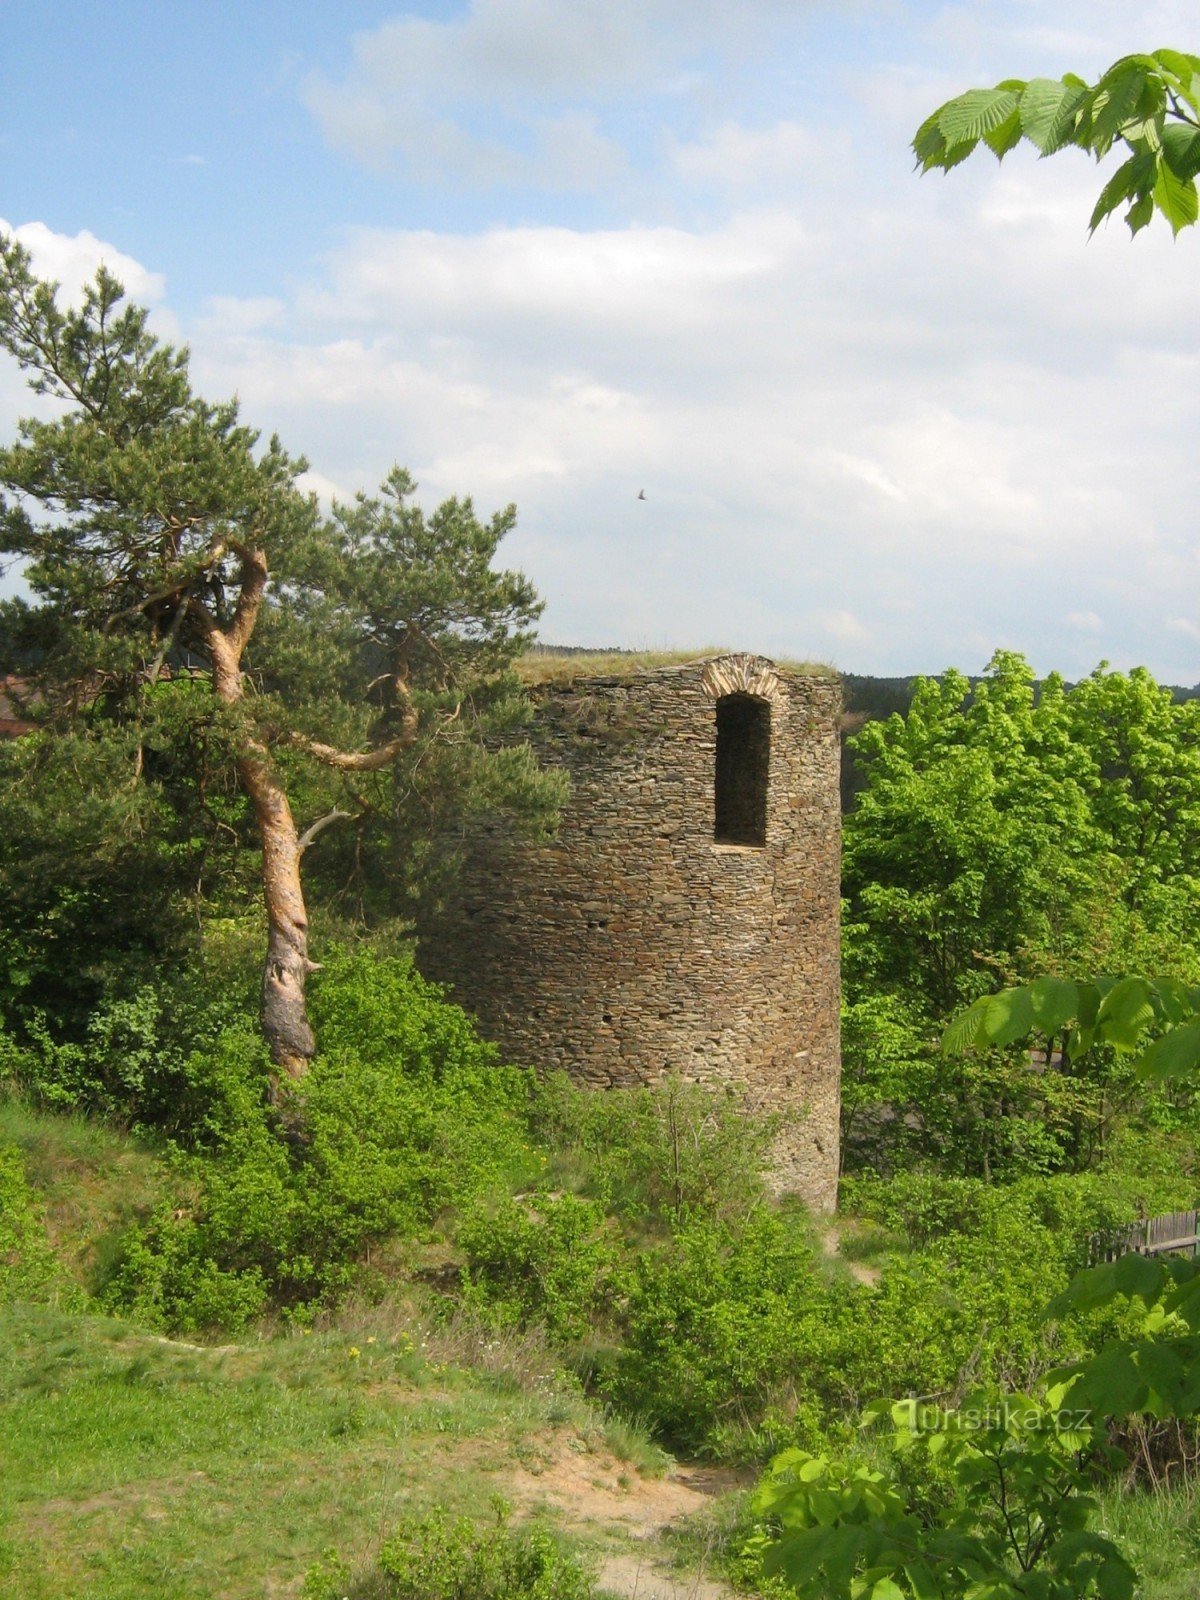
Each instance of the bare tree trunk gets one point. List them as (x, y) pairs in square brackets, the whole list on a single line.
[(282, 1006), (283, 1012)]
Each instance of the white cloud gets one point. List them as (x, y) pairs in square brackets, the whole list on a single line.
[(72, 260), (416, 87), (227, 316), (843, 626), (324, 488), (889, 437), (868, 472), (538, 74), (736, 156), (901, 419)]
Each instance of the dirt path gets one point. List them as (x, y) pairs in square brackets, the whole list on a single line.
[(603, 1496), (635, 1579)]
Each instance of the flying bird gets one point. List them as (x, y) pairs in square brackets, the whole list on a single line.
[(641, 494)]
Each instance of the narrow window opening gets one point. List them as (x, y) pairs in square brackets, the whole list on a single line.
[(743, 755)]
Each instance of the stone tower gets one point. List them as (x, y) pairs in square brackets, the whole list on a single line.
[(685, 918)]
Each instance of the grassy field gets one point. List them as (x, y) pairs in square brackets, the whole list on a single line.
[(92, 1181), (136, 1467)]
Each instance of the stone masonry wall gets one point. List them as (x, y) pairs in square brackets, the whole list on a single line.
[(634, 944)]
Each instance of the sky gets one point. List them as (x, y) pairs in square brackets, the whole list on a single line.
[(559, 253)]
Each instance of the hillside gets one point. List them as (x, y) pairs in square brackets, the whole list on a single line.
[(183, 1469)]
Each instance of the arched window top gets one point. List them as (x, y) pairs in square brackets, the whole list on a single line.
[(743, 760)]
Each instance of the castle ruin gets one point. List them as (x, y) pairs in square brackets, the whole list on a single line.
[(686, 916)]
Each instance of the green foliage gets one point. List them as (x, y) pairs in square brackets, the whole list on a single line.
[(173, 558), (392, 613), (436, 1557), (1149, 104), (549, 1259), (147, 493), (29, 1269), (92, 878), (972, 839), (146, 1053), (658, 1155), (1018, 831), (730, 1334), (1124, 1014), (1151, 1370), (407, 1113), (1016, 1529), (1050, 1218)]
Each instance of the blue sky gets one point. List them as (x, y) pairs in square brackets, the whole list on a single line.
[(555, 253)]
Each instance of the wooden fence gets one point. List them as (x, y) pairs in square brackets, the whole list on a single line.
[(1175, 1233)]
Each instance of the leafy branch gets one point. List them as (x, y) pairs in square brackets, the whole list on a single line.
[(1150, 104)]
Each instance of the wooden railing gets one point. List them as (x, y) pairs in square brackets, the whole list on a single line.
[(1171, 1234)]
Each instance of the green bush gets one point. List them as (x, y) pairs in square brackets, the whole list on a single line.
[(738, 1337), (926, 1207), (140, 1055), (732, 1336), (551, 1259), (435, 1558), (663, 1153), (407, 1113)]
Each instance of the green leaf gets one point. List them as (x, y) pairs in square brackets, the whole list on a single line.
[(1181, 149), (1055, 1003), (974, 114), (1184, 71), (1139, 214), (1175, 197), (1125, 1012), (1175, 1055), (887, 1589), (1140, 1277), (1115, 1579), (1115, 102), (1131, 177), (1174, 999), (1048, 113), (1180, 66), (1005, 136), (1132, 1275), (1163, 1372), (966, 1031), (1090, 996), (929, 145), (1113, 1376), (1008, 1016)]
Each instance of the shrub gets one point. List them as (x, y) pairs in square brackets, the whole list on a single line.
[(407, 1113), (667, 1152), (731, 1335), (435, 1558), (551, 1259)]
